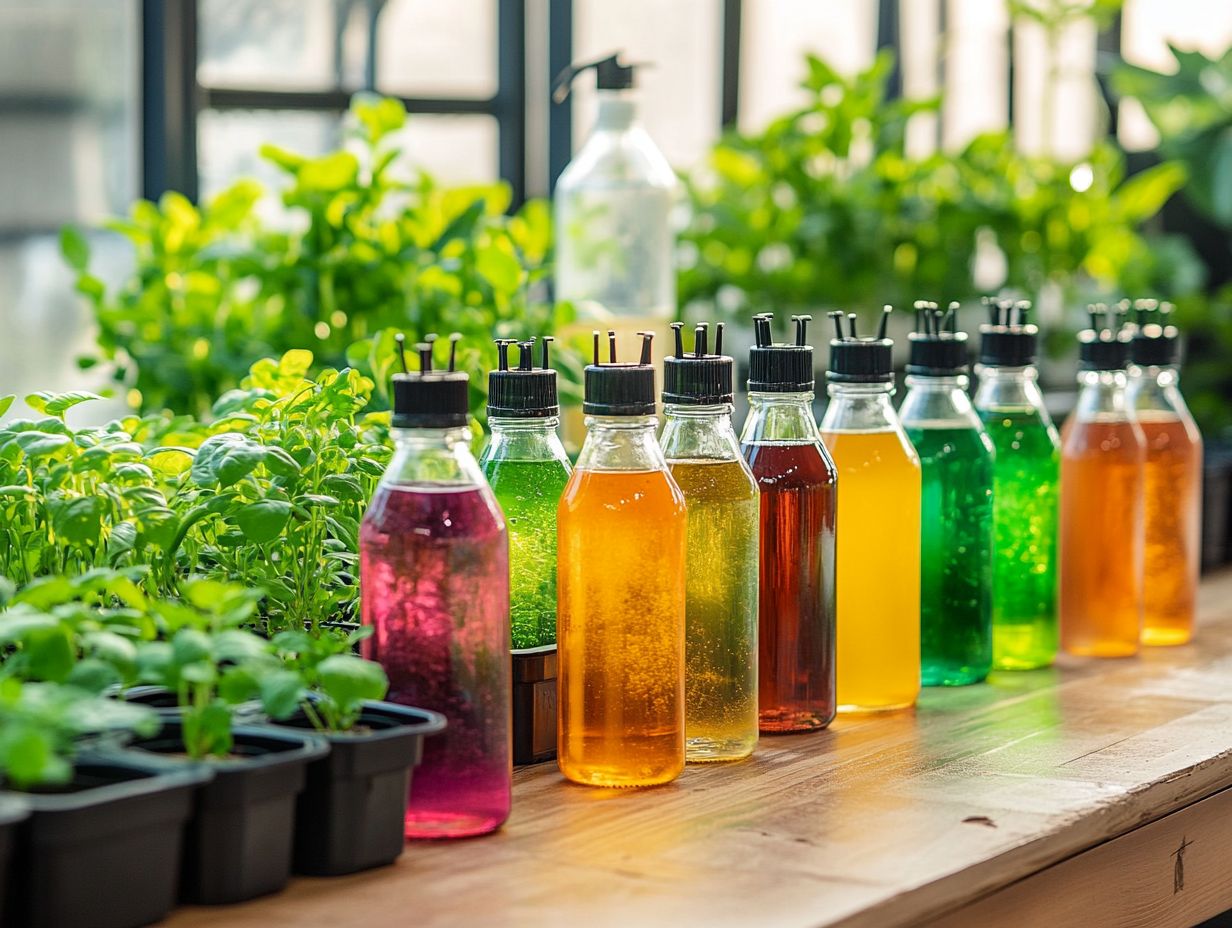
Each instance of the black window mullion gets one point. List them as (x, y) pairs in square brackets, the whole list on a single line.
[(560, 115), (730, 100), (510, 100), (169, 97)]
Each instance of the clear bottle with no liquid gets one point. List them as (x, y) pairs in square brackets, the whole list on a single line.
[(1026, 490), (434, 574), (798, 520), (1172, 489), (1103, 456), (527, 468), (721, 502), (879, 538), (621, 591), (956, 510)]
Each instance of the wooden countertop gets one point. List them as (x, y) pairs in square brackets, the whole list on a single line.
[(881, 821)]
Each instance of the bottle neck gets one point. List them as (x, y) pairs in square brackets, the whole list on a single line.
[(1008, 388), (432, 457), (780, 417), (1102, 395), (860, 407), (523, 440), (937, 400), (621, 443), (699, 433), (1156, 388), (617, 111)]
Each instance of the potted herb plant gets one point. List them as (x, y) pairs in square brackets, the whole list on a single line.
[(351, 814), (103, 841), (240, 836)]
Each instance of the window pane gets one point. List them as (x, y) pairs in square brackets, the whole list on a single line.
[(426, 48), (680, 94), (275, 44), (776, 36), (454, 149)]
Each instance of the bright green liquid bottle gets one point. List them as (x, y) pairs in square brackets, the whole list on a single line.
[(1027, 475), (956, 519), (528, 493)]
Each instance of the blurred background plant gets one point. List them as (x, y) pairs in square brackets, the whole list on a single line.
[(360, 253)]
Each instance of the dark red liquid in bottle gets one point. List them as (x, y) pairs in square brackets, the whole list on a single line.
[(796, 606)]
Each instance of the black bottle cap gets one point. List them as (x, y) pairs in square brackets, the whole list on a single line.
[(1008, 340), (698, 379), (780, 368), (526, 391), (610, 74), (937, 348), (429, 399), (1105, 345), (614, 389), (860, 360), (1155, 343)]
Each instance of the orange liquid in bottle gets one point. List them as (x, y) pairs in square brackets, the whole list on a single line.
[(621, 631), (1173, 501), (1101, 537)]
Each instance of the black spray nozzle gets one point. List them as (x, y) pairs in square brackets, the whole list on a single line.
[(936, 347), (1105, 345), (610, 74), (525, 391), (860, 359), (801, 324), (429, 398), (1155, 341), (785, 368), (1007, 339), (615, 389), (698, 378)]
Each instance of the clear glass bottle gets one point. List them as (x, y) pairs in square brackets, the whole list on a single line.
[(798, 519), (879, 533), (1026, 485), (621, 592), (1172, 495), (721, 502), (1103, 456), (956, 511), (527, 468), (434, 574)]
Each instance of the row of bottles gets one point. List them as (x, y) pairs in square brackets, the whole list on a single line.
[(702, 588)]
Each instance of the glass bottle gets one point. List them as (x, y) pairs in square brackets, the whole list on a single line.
[(621, 591), (526, 466), (956, 469), (879, 542), (1026, 490), (434, 573), (1102, 471), (798, 516), (720, 698), (1172, 494)]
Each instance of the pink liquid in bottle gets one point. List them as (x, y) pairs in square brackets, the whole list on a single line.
[(434, 564)]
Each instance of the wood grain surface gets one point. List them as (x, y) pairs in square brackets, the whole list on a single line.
[(943, 812)]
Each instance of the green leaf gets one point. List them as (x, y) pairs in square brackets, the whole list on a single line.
[(349, 680), (264, 520), (74, 248), (223, 460), (281, 693), (93, 675), (37, 443), (6, 402), (1144, 194), (501, 269), (329, 173), (287, 160), (77, 520)]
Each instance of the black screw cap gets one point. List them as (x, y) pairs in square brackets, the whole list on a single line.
[(854, 359), (780, 368), (937, 348), (698, 379), (1008, 340), (428, 399), (615, 389), (525, 391)]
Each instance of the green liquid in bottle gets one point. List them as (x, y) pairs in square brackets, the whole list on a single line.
[(1024, 578), (956, 518), (528, 493)]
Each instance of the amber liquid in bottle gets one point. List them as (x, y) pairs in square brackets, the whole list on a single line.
[(1172, 498), (621, 597), (1101, 537)]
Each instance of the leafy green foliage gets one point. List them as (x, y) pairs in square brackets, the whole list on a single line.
[(364, 250), (323, 678), (1192, 111), (825, 208), (39, 723)]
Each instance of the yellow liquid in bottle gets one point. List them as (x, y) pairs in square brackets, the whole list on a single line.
[(878, 565), (621, 628)]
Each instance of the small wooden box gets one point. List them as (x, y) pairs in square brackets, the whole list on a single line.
[(534, 705)]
